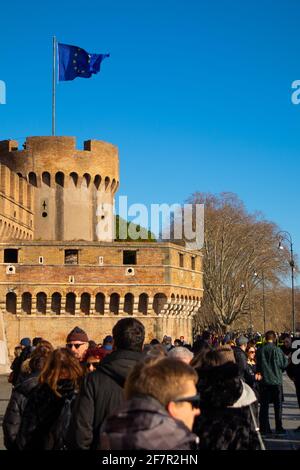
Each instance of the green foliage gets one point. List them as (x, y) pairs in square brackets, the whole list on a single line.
[(145, 235)]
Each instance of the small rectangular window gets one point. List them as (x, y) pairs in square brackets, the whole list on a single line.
[(193, 263), (71, 279), (41, 260), (71, 256), (181, 260), (11, 255), (101, 260), (129, 257)]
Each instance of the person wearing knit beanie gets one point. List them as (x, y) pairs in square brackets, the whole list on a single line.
[(77, 342)]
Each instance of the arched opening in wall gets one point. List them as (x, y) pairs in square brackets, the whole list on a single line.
[(70, 303), (32, 179), (159, 302), (143, 304), (26, 303), (60, 178), (20, 175), (113, 185), (128, 304), (97, 181), (114, 303), (21, 189), (106, 183), (11, 303), (85, 303), (56, 303), (74, 178), (173, 298), (86, 180), (99, 304), (46, 178), (41, 302)]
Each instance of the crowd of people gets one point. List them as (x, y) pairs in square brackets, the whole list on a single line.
[(123, 394)]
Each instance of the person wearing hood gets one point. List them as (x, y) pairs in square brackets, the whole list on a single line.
[(103, 390), (227, 405), (160, 411), (46, 417)]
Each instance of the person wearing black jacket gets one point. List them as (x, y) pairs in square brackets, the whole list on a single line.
[(159, 413), (227, 406), (15, 408), (48, 410), (16, 374), (102, 391), (241, 356)]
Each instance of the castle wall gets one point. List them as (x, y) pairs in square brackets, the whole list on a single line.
[(70, 185), (16, 202), (54, 296)]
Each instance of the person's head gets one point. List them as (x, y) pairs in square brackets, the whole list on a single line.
[(226, 353), (108, 343), (242, 342), (167, 340), (77, 342), (92, 344), (25, 343), (270, 336), (36, 341), (287, 342), (177, 343), (17, 351), (182, 339), (181, 353), (129, 334), (206, 336), (154, 341), (171, 382), (155, 351), (92, 358), (210, 358), (61, 365), (39, 356), (251, 352)]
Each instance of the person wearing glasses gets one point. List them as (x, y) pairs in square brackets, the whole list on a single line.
[(92, 358), (77, 342), (160, 411)]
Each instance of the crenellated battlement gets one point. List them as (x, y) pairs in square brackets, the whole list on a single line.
[(55, 159), (69, 185)]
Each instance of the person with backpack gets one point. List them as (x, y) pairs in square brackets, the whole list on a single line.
[(47, 414), (103, 390)]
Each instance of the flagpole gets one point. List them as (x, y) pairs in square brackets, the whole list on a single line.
[(54, 86)]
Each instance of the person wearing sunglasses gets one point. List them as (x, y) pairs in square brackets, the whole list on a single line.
[(92, 358), (77, 342), (162, 403)]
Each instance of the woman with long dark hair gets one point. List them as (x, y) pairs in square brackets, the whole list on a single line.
[(47, 414)]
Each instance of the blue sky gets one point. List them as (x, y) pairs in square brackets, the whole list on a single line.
[(196, 94)]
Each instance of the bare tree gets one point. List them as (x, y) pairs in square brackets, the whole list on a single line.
[(237, 244)]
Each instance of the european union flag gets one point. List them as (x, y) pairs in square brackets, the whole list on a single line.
[(76, 62)]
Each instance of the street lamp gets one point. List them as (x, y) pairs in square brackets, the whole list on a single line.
[(262, 279), (286, 236), (250, 310)]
